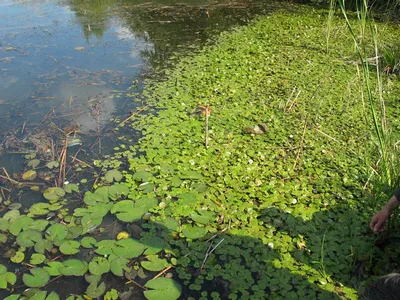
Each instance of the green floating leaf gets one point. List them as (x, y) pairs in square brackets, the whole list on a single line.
[(92, 278), (53, 194), (33, 163), (168, 223), (29, 175), (163, 288), (12, 297), (70, 247), (128, 248), (105, 247), (99, 265), (154, 244), (193, 232), (130, 211), (88, 242), (38, 278), (39, 209), (95, 198), (188, 199), (154, 263), (94, 290), (205, 217), (52, 296), (20, 223), (56, 233), (73, 267), (39, 225), (190, 175), (116, 190), (28, 238), (119, 265), (37, 259), (53, 268), (111, 295), (4, 224), (53, 164), (69, 188), (6, 277), (113, 175), (11, 215), (18, 257), (142, 176), (42, 245)]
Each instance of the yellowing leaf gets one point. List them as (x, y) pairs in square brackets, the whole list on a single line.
[(122, 235)]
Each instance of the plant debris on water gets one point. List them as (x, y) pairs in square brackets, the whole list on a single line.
[(250, 180)]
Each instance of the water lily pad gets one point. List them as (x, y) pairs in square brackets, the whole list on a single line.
[(4, 224), (18, 257), (119, 265), (105, 247), (117, 190), (154, 244), (73, 267), (38, 278), (162, 288), (130, 211), (94, 290), (39, 225), (95, 198), (99, 265), (142, 176), (88, 242), (28, 238), (190, 175), (113, 175), (53, 194), (69, 247), (128, 248), (69, 188), (56, 233), (204, 217), (12, 297), (11, 215), (193, 231), (53, 164), (43, 245), (29, 175), (33, 163), (37, 259), (20, 223), (39, 209), (7, 278), (53, 268), (154, 263)]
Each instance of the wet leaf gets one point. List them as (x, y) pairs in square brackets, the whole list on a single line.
[(38, 225), (56, 234), (105, 247), (53, 268), (193, 231), (154, 244), (113, 175), (99, 265), (73, 267), (20, 223), (154, 263), (37, 259), (53, 164), (119, 265), (38, 278), (69, 247), (117, 190), (162, 288), (94, 290), (69, 188), (53, 194), (33, 163), (42, 245), (28, 238), (29, 175), (18, 257), (128, 248), (88, 242)]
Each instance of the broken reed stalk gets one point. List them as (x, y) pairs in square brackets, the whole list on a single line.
[(80, 161), (208, 254), (8, 177), (301, 144), (137, 284), (63, 161), (162, 272), (207, 114), (132, 115)]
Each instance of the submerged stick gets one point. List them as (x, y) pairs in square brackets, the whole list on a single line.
[(162, 272), (207, 113), (137, 284), (132, 115)]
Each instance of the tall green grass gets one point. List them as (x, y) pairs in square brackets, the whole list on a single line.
[(364, 35)]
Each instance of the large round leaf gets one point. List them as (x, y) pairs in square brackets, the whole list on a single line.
[(154, 263), (28, 238), (99, 265), (70, 247), (88, 242), (38, 278), (128, 248), (162, 288), (193, 232), (119, 265), (56, 233), (53, 194), (20, 223), (73, 267), (7, 278)]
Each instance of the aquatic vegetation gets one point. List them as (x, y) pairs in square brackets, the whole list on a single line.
[(229, 215)]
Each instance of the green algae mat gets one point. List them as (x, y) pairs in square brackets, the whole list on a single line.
[(249, 181)]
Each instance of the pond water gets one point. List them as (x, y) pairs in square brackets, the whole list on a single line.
[(66, 66)]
